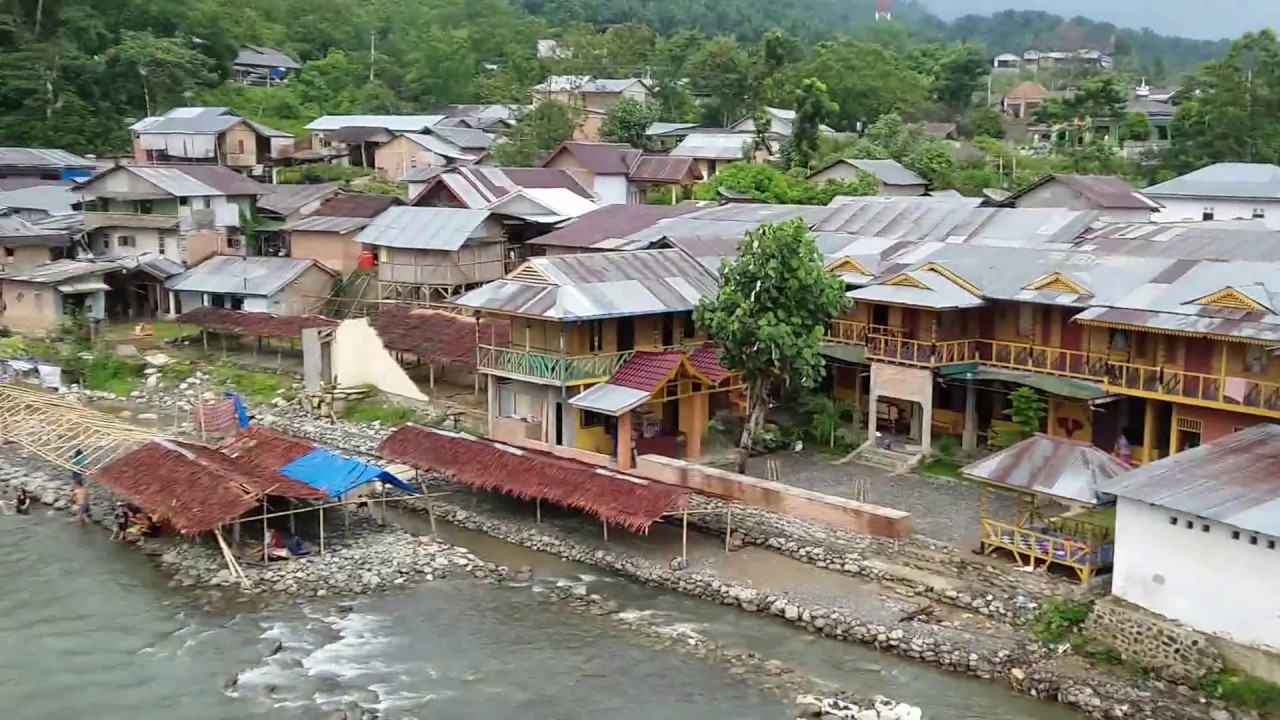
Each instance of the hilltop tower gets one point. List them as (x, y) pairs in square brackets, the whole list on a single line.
[(883, 10)]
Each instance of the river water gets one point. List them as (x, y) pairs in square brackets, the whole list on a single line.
[(91, 629)]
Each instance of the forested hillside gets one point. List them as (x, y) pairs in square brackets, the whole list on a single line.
[(73, 73)]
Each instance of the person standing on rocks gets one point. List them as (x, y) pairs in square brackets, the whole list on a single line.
[(80, 501), (78, 460)]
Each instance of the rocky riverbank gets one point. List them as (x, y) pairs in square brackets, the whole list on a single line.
[(363, 558), (1018, 660)]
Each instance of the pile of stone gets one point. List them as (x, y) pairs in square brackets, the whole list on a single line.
[(830, 708), (368, 558)]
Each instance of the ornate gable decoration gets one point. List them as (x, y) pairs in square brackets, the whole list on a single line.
[(1057, 282), (529, 273), (847, 265), (905, 280), (1232, 299)]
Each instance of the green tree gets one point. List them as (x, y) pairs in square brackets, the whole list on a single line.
[(628, 121), (813, 107), (981, 122), (769, 317), (771, 185), (1229, 108), (1027, 410), (954, 72), (725, 72), (866, 81), (1136, 128), (536, 132)]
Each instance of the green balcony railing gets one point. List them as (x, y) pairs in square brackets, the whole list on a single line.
[(549, 367)]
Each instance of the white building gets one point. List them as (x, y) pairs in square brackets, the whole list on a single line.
[(1197, 535), (1225, 191)]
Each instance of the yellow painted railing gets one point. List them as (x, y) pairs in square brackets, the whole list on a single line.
[(1021, 356), (1195, 387), (1029, 546), (848, 332), (921, 352)]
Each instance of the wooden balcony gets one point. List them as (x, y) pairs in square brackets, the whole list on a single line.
[(94, 220), (1226, 393), (921, 352), (1021, 356)]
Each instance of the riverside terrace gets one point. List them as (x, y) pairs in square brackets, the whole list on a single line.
[(1159, 332)]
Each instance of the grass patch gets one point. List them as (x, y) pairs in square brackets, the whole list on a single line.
[(259, 387), (1244, 691), (943, 467), (108, 373), (367, 411), (1059, 621), (1102, 517)]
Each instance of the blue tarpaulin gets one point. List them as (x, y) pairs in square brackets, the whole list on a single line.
[(242, 413), (338, 475)]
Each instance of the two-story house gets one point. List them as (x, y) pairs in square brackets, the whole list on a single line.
[(27, 167), (618, 174), (428, 254), (590, 98), (183, 212), (1223, 191), (603, 354), (214, 135)]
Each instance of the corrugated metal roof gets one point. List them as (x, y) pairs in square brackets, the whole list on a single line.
[(53, 199), (41, 157), (193, 180), (939, 292), (602, 228), (60, 271), (1232, 480), (198, 121), (585, 83), (887, 172), (464, 137), (476, 185), (286, 200), (662, 168), (713, 147), (1104, 191), (1254, 181), (609, 399), (599, 158), (439, 146), (362, 205), (419, 228), (1056, 467), (328, 223), (598, 285), (548, 205), (394, 123), (262, 56), (234, 275)]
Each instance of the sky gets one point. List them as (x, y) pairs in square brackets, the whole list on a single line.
[(1189, 18)]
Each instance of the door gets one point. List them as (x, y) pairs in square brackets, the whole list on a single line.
[(880, 315), (560, 416), (668, 330), (626, 334)]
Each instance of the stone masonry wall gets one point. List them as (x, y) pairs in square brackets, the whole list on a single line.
[(1172, 651)]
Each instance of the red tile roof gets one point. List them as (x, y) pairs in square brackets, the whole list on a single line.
[(647, 370), (706, 360)]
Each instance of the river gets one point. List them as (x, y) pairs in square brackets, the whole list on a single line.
[(90, 629)]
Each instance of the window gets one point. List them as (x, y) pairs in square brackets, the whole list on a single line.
[(1235, 534), (161, 244), (591, 419), (240, 146), (1255, 358), (38, 299), (8, 253), (1271, 544), (1207, 214), (1204, 527), (1119, 340), (126, 241), (1259, 213), (233, 243), (182, 201), (1253, 539), (688, 330), (1190, 524), (595, 341), (145, 207), (1173, 520), (1026, 322)]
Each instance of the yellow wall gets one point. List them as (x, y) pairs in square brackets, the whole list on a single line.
[(594, 439), (1062, 409)]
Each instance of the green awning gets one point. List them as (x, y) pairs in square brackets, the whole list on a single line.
[(1052, 384), (845, 353)]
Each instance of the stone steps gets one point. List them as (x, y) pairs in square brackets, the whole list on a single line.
[(892, 460)]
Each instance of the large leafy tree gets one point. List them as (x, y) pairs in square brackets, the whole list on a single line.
[(864, 80), (767, 183), (770, 315), (1230, 108), (628, 121), (535, 134), (724, 70), (813, 108)]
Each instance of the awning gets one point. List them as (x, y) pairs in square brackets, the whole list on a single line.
[(337, 475), (854, 354), (1052, 384), (610, 399), (82, 286)]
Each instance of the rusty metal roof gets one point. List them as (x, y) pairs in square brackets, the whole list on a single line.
[(597, 157), (1233, 480), (1105, 191), (661, 168), (604, 227), (1056, 467)]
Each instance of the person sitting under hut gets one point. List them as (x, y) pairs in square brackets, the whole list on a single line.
[(144, 525)]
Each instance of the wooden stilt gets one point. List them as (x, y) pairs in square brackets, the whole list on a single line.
[(266, 535), (684, 536), (606, 531), (537, 508), (293, 523), (235, 533), (204, 339), (321, 511), (728, 528)]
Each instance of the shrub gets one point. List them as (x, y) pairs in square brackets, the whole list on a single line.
[(1060, 620), (1242, 690), (110, 374), (367, 411)]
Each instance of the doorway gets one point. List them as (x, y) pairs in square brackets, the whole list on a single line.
[(626, 334)]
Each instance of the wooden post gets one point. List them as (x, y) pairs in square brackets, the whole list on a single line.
[(293, 523), (431, 376), (537, 509), (431, 514), (684, 536), (624, 441), (728, 528), (266, 535), (1148, 431), (321, 511), (606, 531), (204, 339), (235, 533), (223, 339)]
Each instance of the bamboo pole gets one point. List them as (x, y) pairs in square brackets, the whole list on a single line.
[(728, 528), (266, 535), (606, 531), (293, 522), (537, 508), (684, 537), (321, 530)]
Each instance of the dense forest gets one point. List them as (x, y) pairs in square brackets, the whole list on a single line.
[(76, 72)]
